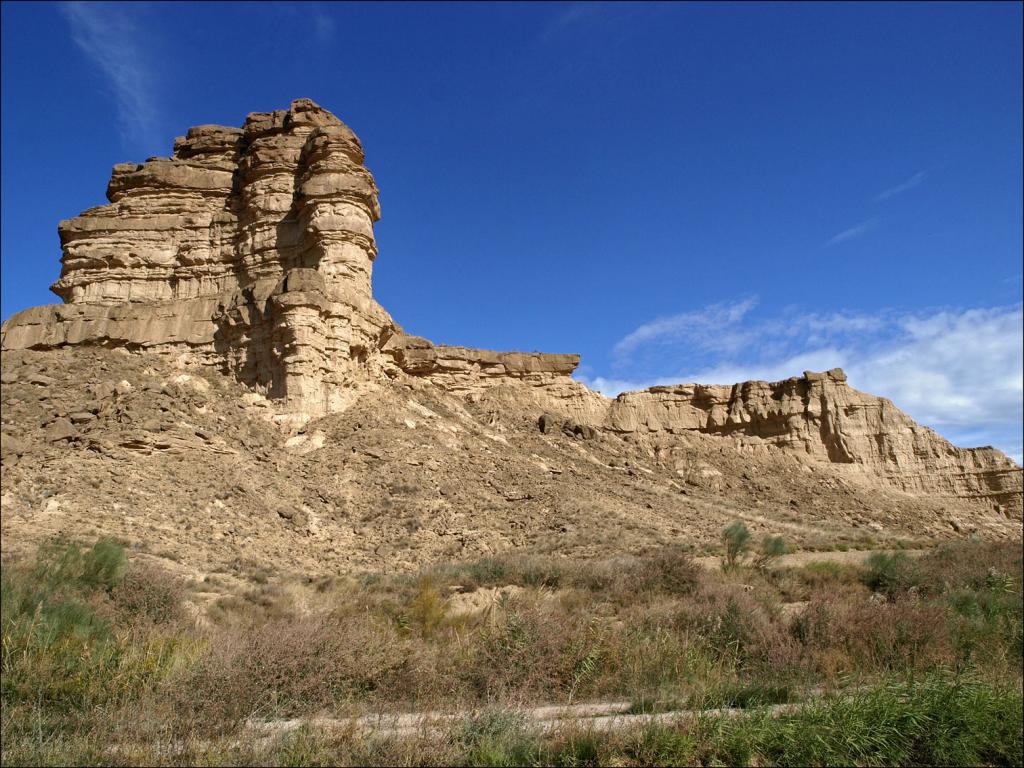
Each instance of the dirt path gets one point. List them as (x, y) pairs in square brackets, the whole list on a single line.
[(602, 716), (411, 723)]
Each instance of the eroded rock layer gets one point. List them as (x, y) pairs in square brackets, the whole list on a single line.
[(251, 250), (819, 416)]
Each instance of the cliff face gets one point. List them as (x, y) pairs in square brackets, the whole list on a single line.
[(251, 250), (818, 416)]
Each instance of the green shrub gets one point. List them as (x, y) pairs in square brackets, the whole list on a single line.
[(576, 749), (59, 653), (302, 747), (772, 548), (888, 573), (660, 745), (61, 564), (96, 669), (736, 538), (741, 695), (935, 721), (820, 572)]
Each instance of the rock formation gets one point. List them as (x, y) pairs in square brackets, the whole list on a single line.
[(251, 250), (819, 416)]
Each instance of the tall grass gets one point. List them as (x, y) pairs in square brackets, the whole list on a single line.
[(61, 653)]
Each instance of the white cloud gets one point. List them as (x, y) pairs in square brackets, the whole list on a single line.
[(112, 40), (323, 26), (692, 326), (853, 232), (952, 368), (910, 183), (568, 16), (960, 371)]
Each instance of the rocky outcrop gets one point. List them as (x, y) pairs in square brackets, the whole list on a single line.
[(820, 417), (463, 369), (252, 248)]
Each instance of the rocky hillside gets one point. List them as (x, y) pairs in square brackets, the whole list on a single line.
[(220, 384)]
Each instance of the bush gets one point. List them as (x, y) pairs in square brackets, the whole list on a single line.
[(665, 571), (888, 573), (59, 653), (936, 721), (62, 565), (96, 670), (660, 745), (427, 609), (740, 694), (286, 667), (772, 548), (496, 737), (736, 537), (147, 596)]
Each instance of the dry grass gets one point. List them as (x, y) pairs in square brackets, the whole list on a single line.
[(98, 660)]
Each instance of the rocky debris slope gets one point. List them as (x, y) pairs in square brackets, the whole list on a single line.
[(249, 253), (190, 466)]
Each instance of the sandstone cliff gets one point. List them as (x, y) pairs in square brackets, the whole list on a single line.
[(819, 416), (250, 251)]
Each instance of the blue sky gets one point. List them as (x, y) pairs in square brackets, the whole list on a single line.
[(677, 192)]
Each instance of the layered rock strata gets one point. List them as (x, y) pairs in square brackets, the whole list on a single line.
[(819, 416), (251, 249)]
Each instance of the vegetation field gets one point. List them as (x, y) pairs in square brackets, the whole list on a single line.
[(893, 661)]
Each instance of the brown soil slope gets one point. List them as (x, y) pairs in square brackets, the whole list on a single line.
[(189, 465)]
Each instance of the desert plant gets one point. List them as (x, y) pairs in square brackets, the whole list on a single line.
[(90, 660), (935, 721), (772, 548), (427, 609), (59, 653), (658, 744), (743, 694), (588, 655), (496, 737), (736, 537), (147, 595), (888, 573)]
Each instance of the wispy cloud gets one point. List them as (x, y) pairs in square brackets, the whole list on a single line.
[(960, 371), (910, 183), (323, 26), (567, 16), (689, 325), (853, 232), (114, 42), (607, 25)]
